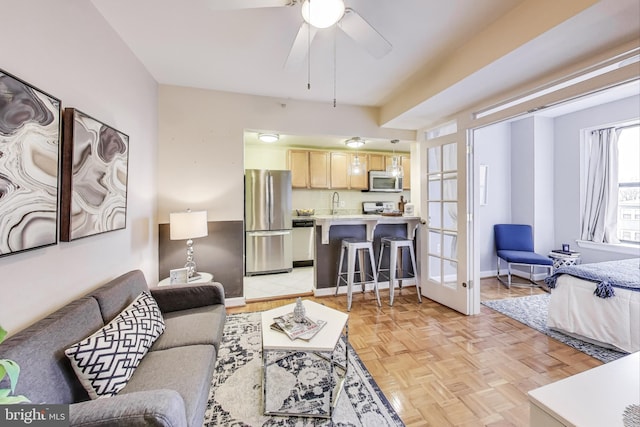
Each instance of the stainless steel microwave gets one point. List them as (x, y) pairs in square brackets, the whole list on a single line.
[(382, 181)]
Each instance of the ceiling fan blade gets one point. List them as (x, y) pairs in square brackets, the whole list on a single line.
[(245, 4), (300, 48), (364, 34)]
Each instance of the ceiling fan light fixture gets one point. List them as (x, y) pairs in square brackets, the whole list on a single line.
[(268, 137), (322, 13), (354, 142)]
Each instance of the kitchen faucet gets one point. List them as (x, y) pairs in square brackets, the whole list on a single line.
[(335, 202)]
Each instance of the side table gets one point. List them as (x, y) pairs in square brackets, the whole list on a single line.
[(598, 397), (204, 278), (561, 259)]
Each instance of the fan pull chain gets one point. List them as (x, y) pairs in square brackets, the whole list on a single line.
[(309, 49), (335, 65)]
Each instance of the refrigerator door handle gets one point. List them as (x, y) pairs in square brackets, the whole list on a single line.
[(268, 233), (271, 201)]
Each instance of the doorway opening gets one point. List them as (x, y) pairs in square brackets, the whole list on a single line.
[(528, 170)]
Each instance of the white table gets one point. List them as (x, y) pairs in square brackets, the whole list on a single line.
[(277, 345), (564, 260), (593, 398), (204, 278)]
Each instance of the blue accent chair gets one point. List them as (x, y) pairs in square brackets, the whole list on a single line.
[(514, 245)]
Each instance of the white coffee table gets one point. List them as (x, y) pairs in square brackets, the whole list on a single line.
[(322, 348)]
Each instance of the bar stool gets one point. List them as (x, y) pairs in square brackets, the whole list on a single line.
[(396, 244), (353, 248)]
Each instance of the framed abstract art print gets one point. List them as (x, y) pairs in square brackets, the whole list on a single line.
[(29, 158), (95, 161)]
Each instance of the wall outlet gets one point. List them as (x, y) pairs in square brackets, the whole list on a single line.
[(343, 203)]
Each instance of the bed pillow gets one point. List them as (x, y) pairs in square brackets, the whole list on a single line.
[(105, 361)]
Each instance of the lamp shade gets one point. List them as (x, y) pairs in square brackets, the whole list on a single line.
[(187, 225)]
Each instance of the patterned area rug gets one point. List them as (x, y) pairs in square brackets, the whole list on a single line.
[(532, 311), (236, 392)]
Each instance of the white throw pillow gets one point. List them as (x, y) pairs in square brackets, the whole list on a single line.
[(105, 361)]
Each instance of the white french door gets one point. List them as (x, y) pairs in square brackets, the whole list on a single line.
[(444, 271)]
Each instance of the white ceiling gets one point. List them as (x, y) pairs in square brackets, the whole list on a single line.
[(186, 43)]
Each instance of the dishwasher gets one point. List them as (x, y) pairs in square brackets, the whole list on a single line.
[(303, 231)]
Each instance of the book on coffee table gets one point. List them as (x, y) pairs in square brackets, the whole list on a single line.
[(304, 330)]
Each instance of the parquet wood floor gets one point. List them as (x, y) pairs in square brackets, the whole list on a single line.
[(440, 368)]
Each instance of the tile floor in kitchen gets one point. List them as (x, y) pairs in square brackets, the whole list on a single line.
[(299, 281)]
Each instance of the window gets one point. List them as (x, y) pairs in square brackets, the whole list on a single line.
[(629, 184), (612, 185)]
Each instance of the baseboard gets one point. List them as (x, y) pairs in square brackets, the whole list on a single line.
[(488, 274), (514, 272), (235, 302)]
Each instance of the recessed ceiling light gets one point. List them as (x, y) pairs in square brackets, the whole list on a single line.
[(354, 142), (268, 137)]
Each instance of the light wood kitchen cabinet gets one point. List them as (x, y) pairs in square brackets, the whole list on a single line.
[(299, 166), (339, 170), (331, 170), (405, 162), (406, 172), (341, 177), (375, 162), (359, 182), (309, 169), (319, 169)]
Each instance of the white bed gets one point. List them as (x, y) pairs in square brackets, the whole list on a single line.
[(612, 322)]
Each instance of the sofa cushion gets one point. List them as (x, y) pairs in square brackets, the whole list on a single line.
[(185, 296), (46, 375), (202, 325), (116, 295), (142, 409), (187, 370), (106, 360)]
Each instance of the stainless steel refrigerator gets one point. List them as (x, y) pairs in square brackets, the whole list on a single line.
[(267, 210)]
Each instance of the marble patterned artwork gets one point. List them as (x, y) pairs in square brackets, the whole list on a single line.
[(29, 153), (95, 161)]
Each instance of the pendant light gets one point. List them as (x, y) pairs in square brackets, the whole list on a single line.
[(356, 167), (395, 168)]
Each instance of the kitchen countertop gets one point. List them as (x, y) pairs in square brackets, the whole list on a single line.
[(370, 221)]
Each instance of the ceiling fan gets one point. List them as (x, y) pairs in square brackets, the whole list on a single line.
[(317, 14)]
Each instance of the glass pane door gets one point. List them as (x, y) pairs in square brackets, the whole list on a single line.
[(444, 255), (443, 214)]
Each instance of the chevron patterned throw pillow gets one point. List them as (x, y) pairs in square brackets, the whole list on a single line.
[(105, 361)]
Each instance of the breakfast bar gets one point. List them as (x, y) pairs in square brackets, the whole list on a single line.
[(325, 222), (331, 229)]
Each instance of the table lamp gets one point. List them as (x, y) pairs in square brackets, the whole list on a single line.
[(188, 225)]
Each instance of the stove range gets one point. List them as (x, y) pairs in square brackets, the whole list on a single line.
[(376, 208)]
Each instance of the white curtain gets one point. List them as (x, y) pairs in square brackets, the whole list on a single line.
[(599, 222)]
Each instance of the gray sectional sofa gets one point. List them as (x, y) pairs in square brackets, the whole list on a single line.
[(169, 387)]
